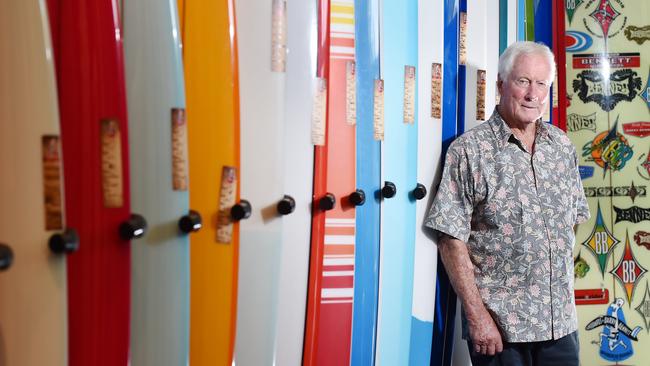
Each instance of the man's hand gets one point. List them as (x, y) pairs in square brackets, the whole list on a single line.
[(485, 334)]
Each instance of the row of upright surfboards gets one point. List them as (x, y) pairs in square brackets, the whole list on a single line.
[(260, 200)]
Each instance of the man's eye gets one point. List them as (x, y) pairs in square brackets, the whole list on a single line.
[(524, 81)]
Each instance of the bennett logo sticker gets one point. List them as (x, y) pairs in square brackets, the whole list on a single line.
[(571, 6), (601, 241), (642, 239), (576, 122), (611, 60), (606, 17), (628, 271), (645, 94), (577, 41), (638, 129), (638, 34), (615, 340), (644, 308), (633, 214), (586, 171), (623, 85), (609, 149)]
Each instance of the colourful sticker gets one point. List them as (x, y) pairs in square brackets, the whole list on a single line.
[(638, 34), (644, 308), (628, 271), (615, 339), (586, 171), (580, 267), (645, 94), (609, 150), (644, 167), (638, 129), (571, 6), (577, 41), (601, 241), (591, 86), (605, 15)]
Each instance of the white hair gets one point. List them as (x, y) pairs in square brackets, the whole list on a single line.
[(510, 55)]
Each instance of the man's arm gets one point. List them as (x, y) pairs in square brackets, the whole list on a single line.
[(483, 331)]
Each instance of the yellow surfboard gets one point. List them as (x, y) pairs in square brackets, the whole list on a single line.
[(212, 97)]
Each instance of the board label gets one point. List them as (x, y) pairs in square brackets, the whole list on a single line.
[(111, 155), (555, 95), (51, 155), (409, 94), (351, 92), (623, 85), (378, 110), (462, 49), (279, 36), (638, 129), (436, 90), (576, 122), (638, 34), (480, 94), (227, 197), (611, 60), (319, 113), (179, 150)]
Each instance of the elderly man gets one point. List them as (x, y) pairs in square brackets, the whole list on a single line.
[(505, 212)]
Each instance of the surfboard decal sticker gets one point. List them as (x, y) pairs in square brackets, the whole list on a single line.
[(111, 155), (601, 241), (227, 197), (279, 36), (615, 339), (351, 92), (436, 90), (644, 308), (319, 113), (480, 94), (577, 41), (409, 94), (379, 110), (629, 270), (179, 150), (51, 154)]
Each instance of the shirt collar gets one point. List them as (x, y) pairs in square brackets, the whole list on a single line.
[(503, 133)]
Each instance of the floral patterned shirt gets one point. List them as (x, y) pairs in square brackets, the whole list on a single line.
[(516, 212)]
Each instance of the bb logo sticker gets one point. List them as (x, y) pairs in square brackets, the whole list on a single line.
[(623, 85), (577, 41), (601, 241), (628, 271), (576, 122), (609, 150), (637, 34), (615, 339), (606, 18)]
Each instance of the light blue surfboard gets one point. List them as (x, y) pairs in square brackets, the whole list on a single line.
[(398, 49), (160, 260), (366, 275)]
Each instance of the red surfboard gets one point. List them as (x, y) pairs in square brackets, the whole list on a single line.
[(92, 103)]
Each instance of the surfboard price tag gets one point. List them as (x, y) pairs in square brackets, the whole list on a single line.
[(351, 92), (555, 93), (462, 49), (409, 94), (279, 36), (436, 90), (319, 113), (480, 95), (111, 155), (179, 150), (51, 155), (227, 197), (497, 96), (378, 110)]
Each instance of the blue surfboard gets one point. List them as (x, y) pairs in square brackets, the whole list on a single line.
[(399, 59), (366, 267)]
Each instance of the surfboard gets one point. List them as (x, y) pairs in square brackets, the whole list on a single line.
[(298, 174), (33, 312), (332, 335), (399, 61), (445, 298), (92, 104), (159, 183), (212, 103), (262, 65), (605, 49), (322, 201), (430, 57), (366, 264)]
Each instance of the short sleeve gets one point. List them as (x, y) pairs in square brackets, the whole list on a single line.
[(451, 212), (581, 207)]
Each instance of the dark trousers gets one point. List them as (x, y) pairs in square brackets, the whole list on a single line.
[(558, 352)]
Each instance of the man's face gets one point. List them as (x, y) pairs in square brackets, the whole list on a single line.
[(524, 94)]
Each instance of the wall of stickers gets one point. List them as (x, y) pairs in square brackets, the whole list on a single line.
[(608, 119)]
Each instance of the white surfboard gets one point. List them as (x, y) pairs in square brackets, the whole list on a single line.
[(261, 31), (33, 315), (298, 175)]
